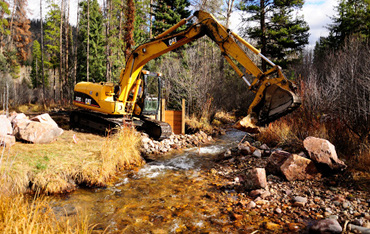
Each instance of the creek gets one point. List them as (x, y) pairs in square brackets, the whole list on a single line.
[(171, 193)]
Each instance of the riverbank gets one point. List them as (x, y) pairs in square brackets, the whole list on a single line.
[(75, 159)]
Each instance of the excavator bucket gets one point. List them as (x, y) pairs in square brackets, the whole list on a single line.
[(276, 103)]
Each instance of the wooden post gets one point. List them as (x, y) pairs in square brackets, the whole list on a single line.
[(183, 117), (163, 110)]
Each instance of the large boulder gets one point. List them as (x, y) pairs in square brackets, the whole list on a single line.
[(7, 140), (255, 178), (5, 126), (276, 159), (298, 168), (323, 152), (18, 119), (36, 132), (45, 118)]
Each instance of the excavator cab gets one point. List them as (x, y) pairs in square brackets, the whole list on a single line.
[(149, 95)]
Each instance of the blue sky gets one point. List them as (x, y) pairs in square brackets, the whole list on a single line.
[(316, 13)]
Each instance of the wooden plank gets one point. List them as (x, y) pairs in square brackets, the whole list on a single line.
[(183, 117), (174, 119), (163, 110)]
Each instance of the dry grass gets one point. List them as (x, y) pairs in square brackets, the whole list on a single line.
[(62, 165), (225, 117), (362, 161), (20, 215), (195, 124), (289, 133)]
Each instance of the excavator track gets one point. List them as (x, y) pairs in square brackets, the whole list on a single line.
[(101, 123)]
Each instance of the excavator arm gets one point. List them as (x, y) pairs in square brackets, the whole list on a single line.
[(105, 104), (274, 93)]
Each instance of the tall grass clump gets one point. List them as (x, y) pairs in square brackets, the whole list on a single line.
[(195, 124), (20, 215), (121, 151)]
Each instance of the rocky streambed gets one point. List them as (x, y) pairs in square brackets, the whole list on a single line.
[(292, 193), (223, 186)]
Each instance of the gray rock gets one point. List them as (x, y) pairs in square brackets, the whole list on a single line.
[(251, 205), (264, 147), (346, 205), (337, 203), (265, 194), (246, 148), (299, 201), (326, 226), (257, 153)]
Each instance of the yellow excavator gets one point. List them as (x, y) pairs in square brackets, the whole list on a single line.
[(106, 105)]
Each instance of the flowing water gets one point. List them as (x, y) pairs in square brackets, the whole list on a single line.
[(172, 193)]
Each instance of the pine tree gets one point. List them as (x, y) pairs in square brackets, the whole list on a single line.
[(115, 59), (97, 60), (353, 19), (169, 12), (36, 64), (4, 14), (52, 32), (4, 31), (142, 17), (129, 27), (281, 34)]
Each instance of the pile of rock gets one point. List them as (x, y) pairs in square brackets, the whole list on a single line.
[(150, 146), (296, 187), (322, 159), (41, 129)]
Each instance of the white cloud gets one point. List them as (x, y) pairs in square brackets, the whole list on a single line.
[(317, 14)]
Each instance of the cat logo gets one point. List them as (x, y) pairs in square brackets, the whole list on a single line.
[(172, 41)]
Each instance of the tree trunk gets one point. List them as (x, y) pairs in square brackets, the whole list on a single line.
[(66, 74), (61, 51), (42, 56), (75, 47), (107, 36), (11, 27), (263, 36), (88, 40), (230, 4)]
